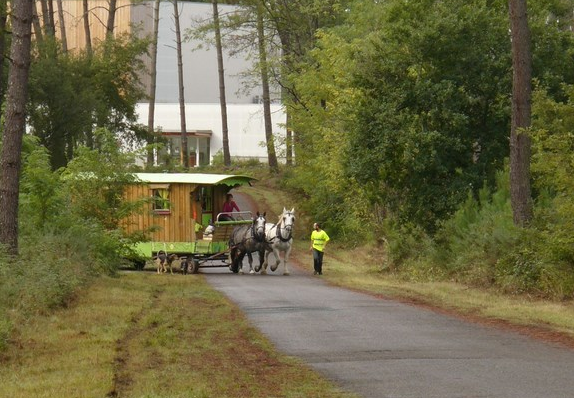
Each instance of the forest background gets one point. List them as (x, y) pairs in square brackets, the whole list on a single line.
[(400, 114)]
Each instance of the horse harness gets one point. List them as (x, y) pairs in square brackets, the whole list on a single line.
[(253, 235), (280, 236)]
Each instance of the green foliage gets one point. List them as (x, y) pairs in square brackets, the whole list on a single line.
[(69, 230), (41, 195), (217, 159), (536, 266), (5, 329), (410, 102), (479, 233), (95, 181), (71, 93), (404, 243), (480, 246), (434, 120), (52, 266), (321, 118), (60, 103), (393, 107), (552, 43), (6, 324), (115, 67)]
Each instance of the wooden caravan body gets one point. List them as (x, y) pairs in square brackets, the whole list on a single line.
[(179, 205)]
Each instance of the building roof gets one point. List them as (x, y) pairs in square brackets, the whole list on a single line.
[(194, 178)]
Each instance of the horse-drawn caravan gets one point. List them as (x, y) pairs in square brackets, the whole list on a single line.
[(180, 208)]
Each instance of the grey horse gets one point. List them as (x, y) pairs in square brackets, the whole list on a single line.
[(247, 239)]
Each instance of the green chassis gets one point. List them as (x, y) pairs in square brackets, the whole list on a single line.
[(199, 252)]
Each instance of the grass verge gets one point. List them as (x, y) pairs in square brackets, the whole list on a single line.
[(144, 335)]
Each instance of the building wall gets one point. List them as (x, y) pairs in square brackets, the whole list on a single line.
[(245, 124), (98, 16), (199, 59), (200, 72)]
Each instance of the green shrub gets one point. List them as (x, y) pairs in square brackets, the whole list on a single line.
[(217, 159), (246, 163), (404, 244)]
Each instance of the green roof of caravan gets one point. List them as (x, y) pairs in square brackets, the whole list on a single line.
[(194, 178)]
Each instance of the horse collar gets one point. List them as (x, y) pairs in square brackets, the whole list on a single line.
[(281, 238)]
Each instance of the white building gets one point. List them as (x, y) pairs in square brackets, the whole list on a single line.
[(205, 134), (201, 91)]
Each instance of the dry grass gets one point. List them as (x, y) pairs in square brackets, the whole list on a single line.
[(149, 335)]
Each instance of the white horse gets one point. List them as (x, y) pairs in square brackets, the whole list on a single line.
[(279, 238)]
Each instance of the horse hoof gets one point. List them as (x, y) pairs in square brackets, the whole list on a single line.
[(252, 272), (264, 272), (286, 273), (274, 268)]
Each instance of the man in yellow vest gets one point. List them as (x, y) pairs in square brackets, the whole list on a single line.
[(319, 239)]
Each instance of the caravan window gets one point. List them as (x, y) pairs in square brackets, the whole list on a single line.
[(161, 202)]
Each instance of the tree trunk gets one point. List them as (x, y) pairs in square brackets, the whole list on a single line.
[(287, 96), (15, 122), (51, 17), (222, 98), (3, 18), (62, 27), (36, 23), (185, 158), (520, 191), (46, 20), (87, 31), (152, 88), (111, 18), (288, 140), (264, 69), (285, 99)]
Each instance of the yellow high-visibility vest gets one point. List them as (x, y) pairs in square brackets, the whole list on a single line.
[(319, 239)]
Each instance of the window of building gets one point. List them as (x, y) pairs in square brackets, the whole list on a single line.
[(197, 149)]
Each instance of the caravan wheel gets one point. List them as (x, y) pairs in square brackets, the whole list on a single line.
[(194, 266)]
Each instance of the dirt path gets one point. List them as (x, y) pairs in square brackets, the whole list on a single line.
[(246, 203)]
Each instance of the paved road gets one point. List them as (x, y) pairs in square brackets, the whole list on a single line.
[(380, 348), (384, 349)]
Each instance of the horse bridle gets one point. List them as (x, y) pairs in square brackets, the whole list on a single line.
[(254, 233), (289, 228)]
